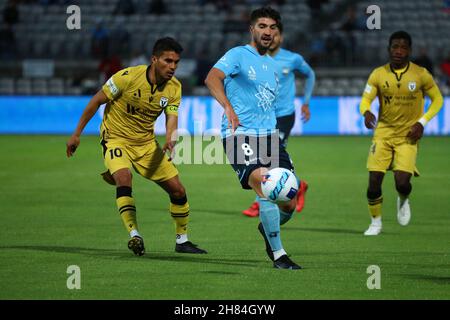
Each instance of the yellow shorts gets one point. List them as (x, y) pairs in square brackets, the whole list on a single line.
[(396, 154), (148, 160)]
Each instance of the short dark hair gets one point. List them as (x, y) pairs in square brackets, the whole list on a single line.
[(266, 12), (166, 44), (400, 35)]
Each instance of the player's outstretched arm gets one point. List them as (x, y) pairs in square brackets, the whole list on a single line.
[(309, 87), (214, 82), (91, 108), (171, 137)]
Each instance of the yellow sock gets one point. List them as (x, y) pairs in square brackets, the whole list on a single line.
[(375, 207), (127, 212), (180, 214)]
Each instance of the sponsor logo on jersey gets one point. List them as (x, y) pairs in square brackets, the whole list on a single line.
[(252, 73)]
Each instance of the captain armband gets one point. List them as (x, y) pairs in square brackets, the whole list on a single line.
[(172, 109)]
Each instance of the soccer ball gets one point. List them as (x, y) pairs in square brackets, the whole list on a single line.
[(279, 185)]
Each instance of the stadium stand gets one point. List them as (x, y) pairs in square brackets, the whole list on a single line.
[(341, 55)]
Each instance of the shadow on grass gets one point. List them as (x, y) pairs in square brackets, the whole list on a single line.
[(430, 278), (110, 253), (218, 211), (222, 272), (327, 230)]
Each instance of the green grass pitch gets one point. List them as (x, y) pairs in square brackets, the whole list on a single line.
[(57, 212)]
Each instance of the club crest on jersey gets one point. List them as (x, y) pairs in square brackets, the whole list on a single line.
[(412, 86), (163, 102), (285, 71)]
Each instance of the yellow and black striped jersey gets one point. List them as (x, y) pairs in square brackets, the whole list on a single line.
[(135, 103), (401, 97)]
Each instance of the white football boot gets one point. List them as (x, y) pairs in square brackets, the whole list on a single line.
[(403, 212), (374, 228)]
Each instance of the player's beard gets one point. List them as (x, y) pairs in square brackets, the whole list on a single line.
[(262, 48)]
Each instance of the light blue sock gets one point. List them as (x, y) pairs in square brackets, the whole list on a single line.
[(269, 215), (285, 217)]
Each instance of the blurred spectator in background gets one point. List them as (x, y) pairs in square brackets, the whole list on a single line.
[(318, 51), (445, 68), (99, 40), (7, 42), (124, 7), (158, 7), (10, 13), (120, 43), (352, 22), (236, 23), (316, 5), (221, 5), (275, 2), (203, 65), (423, 60), (108, 66), (138, 58), (334, 48)]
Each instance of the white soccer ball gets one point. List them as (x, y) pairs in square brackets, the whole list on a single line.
[(279, 185)]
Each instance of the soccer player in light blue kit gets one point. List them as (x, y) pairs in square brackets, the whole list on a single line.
[(245, 82), (288, 62)]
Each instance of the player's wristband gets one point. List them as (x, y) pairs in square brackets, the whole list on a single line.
[(423, 121)]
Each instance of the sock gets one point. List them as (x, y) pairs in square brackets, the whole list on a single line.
[(285, 217), (269, 215), (179, 210), (181, 238), (402, 198), (277, 254), (127, 210), (375, 207)]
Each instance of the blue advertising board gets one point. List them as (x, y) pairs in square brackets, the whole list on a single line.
[(197, 115)]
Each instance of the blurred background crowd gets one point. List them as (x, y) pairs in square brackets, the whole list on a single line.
[(39, 55)]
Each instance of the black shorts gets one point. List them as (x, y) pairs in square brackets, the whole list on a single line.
[(285, 125), (247, 153)]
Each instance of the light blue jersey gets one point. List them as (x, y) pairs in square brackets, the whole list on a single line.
[(288, 62), (251, 86)]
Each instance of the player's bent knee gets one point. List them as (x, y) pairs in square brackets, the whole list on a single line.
[(178, 193), (403, 187)]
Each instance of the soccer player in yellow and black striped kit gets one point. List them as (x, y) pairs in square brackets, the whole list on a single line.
[(400, 86), (134, 98)]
